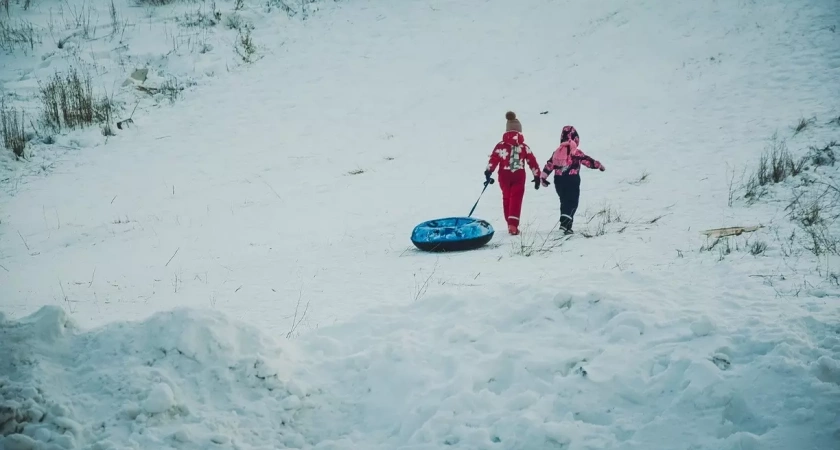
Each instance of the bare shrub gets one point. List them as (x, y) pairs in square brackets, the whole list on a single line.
[(20, 35), (171, 89), (642, 178), (802, 125), (292, 7), (710, 245), (605, 216), (202, 18), (68, 102), (757, 248), (115, 19), (236, 22), (796, 167), (245, 47), (81, 19), (787, 246), (775, 165), (283, 5), (532, 243), (153, 2), (726, 245), (823, 156), (808, 215), (732, 189), (12, 129), (818, 209), (817, 217), (725, 249), (106, 115), (295, 320), (821, 241)]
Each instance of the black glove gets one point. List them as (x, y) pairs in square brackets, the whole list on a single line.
[(487, 178), (537, 183)]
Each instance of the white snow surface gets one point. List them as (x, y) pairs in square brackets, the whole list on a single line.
[(220, 275)]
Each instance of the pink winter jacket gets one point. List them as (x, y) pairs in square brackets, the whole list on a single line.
[(567, 159)]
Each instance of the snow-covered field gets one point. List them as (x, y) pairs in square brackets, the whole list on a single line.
[(233, 269)]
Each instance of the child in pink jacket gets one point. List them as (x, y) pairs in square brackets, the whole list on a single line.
[(565, 163)]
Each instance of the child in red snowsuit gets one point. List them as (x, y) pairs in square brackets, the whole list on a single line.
[(565, 163), (511, 155)]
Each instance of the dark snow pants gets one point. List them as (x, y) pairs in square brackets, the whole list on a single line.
[(568, 189)]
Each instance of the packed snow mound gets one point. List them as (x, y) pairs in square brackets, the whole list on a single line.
[(181, 379)]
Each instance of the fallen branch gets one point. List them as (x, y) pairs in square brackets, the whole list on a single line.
[(269, 186), (729, 231), (425, 286), (64, 295), (173, 255), (24, 242), (295, 321)]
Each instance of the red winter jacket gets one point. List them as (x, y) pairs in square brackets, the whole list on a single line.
[(512, 154)]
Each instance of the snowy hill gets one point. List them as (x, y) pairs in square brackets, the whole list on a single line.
[(232, 269)]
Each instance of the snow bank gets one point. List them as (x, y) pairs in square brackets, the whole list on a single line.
[(182, 379), (580, 369), (521, 368)]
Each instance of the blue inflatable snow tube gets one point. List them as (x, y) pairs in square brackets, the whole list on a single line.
[(452, 234)]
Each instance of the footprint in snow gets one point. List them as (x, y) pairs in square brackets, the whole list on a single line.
[(721, 361), (827, 370), (722, 358), (594, 417), (738, 416), (702, 327)]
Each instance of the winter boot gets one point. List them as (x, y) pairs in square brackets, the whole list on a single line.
[(566, 224), (513, 230)]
